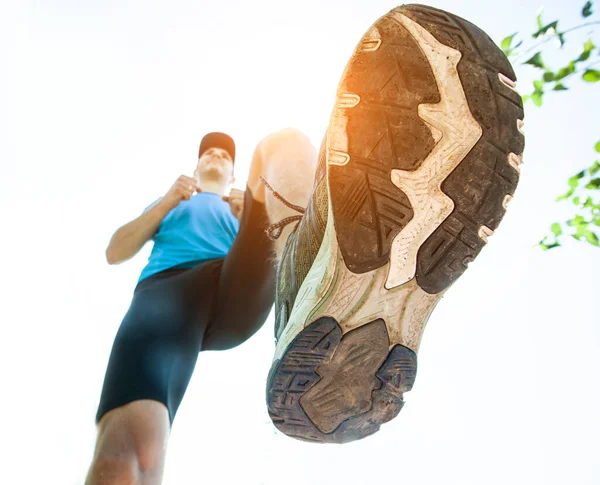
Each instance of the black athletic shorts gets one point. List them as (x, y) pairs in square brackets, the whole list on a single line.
[(177, 313)]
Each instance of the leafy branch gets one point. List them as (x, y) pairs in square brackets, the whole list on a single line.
[(554, 35), (584, 194), (584, 187), (582, 64)]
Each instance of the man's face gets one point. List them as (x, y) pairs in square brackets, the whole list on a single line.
[(215, 163)]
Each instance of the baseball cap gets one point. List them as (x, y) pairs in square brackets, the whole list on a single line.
[(217, 140)]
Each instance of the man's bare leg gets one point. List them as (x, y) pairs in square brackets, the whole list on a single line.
[(131, 445), (287, 160)]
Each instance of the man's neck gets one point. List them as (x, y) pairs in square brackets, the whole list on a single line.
[(212, 186)]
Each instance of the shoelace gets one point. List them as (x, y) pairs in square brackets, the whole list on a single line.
[(275, 230)]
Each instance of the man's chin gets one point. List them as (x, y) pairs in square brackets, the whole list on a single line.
[(211, 169), (212, 173)]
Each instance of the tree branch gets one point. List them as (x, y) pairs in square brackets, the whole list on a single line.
[(555, 35)]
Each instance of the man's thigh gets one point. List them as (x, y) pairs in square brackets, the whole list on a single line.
[(246, 288)]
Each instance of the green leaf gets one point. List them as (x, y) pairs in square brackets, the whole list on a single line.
[(565, 196), (595, 168), (560, 87), (582, 232), (584, 56), (556, 229), (545, 246), (549, 76), (591, 75), (592, 238), (598, 147), (538, 19), (576, 200), (587, 9), (544, 30), (574, 180), (563, 72), (577, 221), (538, 84), (536, 60), (588, 47), (505, 44), (548, 243), (536, 97), (593, 184)]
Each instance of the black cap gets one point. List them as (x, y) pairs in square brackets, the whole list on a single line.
[(217, 140)]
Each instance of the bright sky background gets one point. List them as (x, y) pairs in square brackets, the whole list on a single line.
[(103, 105)]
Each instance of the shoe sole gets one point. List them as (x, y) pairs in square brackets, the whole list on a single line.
[(423, 155)]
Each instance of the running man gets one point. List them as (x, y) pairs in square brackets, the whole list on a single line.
[(421, 157)]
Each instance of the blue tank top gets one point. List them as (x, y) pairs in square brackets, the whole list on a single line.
[(197, 230)]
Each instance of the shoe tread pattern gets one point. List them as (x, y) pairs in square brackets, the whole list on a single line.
[(480, 183), (384, 133), (297, 373)]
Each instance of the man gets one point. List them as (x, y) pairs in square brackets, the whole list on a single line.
[(420, 159), (209, 285)]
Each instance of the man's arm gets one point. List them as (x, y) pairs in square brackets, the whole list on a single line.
[(130, 238)]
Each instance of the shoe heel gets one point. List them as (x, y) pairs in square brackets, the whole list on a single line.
[(348, 385)]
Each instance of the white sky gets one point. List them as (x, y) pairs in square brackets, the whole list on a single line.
[(103, 105)]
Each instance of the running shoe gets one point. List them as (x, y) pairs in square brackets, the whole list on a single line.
[(420, 159)]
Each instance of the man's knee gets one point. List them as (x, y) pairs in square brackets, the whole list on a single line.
[(288, 141), (107, 470), (286, 134), (284, 154), (131, 444), (119, 466)]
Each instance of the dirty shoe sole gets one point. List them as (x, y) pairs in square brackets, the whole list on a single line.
[(423, 154)]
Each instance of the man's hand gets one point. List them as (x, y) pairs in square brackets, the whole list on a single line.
[(183, 189), (236, 202)]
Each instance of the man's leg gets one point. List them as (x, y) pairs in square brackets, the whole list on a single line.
[(132, 439), (287, 160), (131, 445), (246, 291), (152, 360)]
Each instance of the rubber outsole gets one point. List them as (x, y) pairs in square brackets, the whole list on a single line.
[(423, 153), (378, 379)]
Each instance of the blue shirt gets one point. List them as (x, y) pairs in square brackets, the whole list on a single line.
[(198, 229)]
